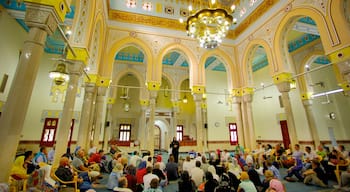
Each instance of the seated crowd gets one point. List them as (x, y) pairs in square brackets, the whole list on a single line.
[(240, 170)]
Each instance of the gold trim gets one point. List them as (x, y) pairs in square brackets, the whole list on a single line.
[(153, 85), (306, 96), (144, 102), (198, 89), (255, 15), (102, 81), (110, 100), (282, 77), (141, 19), (248, 91), (61, 7), (81, 54), (145, 20)]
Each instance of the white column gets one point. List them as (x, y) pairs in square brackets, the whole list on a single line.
[(245, 128), (284, 89), (75, 71), (312, 122), (236, 102), (42, 21), (108, 128), (199, 121), (248, 103), (153, 96), (100, 102), (142, 137), (83, 134)]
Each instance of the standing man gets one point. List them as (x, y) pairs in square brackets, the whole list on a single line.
[(175, 145)]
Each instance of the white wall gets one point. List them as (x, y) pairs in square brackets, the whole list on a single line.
[(11, 41), (217, 112)]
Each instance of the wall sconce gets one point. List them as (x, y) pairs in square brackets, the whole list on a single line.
[(126, 107), (184, 100), (59, 75), (166, 91), (293, 84), (321, 84)]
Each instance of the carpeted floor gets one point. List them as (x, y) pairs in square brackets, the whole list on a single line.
[(291, 186)]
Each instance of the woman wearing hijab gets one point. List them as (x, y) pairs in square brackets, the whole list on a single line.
[(20, 165)]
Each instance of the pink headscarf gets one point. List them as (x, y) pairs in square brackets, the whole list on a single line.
[(276, 185)]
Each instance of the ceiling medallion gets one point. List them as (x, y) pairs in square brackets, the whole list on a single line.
[(210, 25)]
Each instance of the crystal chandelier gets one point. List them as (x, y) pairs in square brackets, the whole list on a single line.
[(210, 25)]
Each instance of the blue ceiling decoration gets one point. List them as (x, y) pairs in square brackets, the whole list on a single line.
[(21, 22), (322, 60), (307, 20), (131, 57), (184, 64), (170, 58), (221, 67), (260, 62), (209, 61), (54, 44), (13, 4), (300, 42)]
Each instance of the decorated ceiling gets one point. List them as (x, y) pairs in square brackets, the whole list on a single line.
[(170, 11)]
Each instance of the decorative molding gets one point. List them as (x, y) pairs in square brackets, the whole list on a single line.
[(145, 20), (255, 15)]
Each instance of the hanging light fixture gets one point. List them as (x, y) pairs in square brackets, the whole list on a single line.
[(184, 100), (210, 25), (59, 75)]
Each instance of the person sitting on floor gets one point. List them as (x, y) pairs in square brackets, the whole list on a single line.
[(154, 186), (246, 185), (316, 175), (116, 173), (186, 184), (122, 185), (295, 170), (276, 186), (148, 178), (266, 182)]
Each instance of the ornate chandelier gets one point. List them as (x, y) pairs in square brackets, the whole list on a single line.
[(210, 25)]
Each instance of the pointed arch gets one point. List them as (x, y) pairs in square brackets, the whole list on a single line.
[(195, 79), (328, 34), (232, 81), (247, 74), (171, 82), (107, 66), (307, 60), (139, 77)]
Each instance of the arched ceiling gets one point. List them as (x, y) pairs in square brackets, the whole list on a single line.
[(304, 31)]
